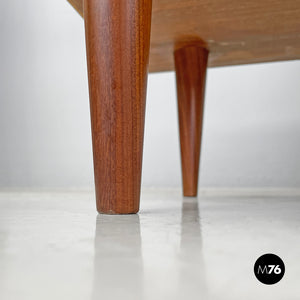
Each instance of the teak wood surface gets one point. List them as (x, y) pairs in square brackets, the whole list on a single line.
[(190, 66), (234, 31), (117, 56)]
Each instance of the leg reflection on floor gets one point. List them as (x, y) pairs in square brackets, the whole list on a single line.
[(192, 269), (128, 269), (118, 258)]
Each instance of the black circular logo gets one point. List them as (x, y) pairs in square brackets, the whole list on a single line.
[(269, 268)]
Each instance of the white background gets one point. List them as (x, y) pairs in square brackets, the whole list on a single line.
[(251, 125)]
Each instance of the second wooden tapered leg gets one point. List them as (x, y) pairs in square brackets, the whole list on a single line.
[(117, 40), (190, 66)]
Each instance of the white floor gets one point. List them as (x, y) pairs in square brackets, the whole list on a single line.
[(55, 246)]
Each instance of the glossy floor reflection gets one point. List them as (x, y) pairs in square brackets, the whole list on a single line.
[(118, 258), (54, 246)]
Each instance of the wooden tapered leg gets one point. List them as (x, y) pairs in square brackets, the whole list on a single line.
[(190, 65), (117, 40)]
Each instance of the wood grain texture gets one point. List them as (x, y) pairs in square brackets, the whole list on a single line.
[(190, 66), (117, 39), (234, 31)]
